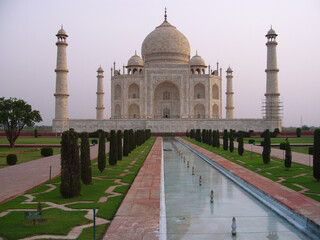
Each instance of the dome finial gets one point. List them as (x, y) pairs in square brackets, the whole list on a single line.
[(135, 52), (165, 13), (196, 52)]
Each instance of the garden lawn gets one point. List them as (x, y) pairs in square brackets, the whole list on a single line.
[(60, 222), (275, 170), (23, 154), (33, 140), (280, 140)]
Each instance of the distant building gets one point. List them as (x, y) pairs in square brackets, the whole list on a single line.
[(165, 90)]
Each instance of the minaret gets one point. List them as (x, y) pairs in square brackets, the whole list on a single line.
[(272, 108), (61, 95), (100, 94), (229, 93)]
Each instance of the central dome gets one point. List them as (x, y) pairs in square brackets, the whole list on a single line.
[(166, 44)]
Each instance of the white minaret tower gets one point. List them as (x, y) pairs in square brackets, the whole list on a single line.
[(61, 105), (272, 107), (229, 93), (100, 94)]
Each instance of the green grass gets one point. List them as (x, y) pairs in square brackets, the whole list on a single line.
[(304, 150), (59, 222), (22, 154), (275, 167), (33, 140), (280, 140), (14, 226)]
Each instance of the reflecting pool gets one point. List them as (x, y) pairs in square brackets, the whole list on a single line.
[(190, 213)]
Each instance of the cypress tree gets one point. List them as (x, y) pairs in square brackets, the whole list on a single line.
[(102, 151), (70, 165), (198, 135), (203, 134), (218, 139), (298, 132), (113, 148), (192, 134), (266, 147), (214, 138), (130, 140), (119, 144), (86, 171), (225, 140), (187, 133), (126, 143), (131, 135), (288, 158), (316, 155), (210, 137), (231, 141), (240, 144)]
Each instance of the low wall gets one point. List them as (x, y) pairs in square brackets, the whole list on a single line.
[(165, 125)]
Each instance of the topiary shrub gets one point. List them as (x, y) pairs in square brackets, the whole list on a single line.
[(126, 143), (218, 139), (288, 158), (113, 148), (231, 146), (251, 141), (12, 159), (316, 155), (225, 140), (214, 138), (266, 147), (119, 144), (261, 143), (298, 132), (198, 135), (94, 141), (35, 133), (283, 145), (102, 152), (240, 144), (70, 165), (86, 170), (46, 151)]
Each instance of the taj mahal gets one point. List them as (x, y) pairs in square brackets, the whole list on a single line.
[(166, 90)]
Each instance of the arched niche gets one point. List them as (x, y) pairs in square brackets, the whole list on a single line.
[(199, 91), (166, 100), (199, 111), (117, 92), (134, 111), (215, 111), (215, 92), (134, 91)]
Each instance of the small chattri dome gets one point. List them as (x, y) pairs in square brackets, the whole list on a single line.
[(229, 69), (62, 32), (197, 60), (100, 69), (271, 32), (135, 60)]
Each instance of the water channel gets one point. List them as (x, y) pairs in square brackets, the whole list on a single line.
[(191, 215)]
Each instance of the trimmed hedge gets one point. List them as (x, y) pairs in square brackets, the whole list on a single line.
[(70, 165), (12, 159), (46, 151)]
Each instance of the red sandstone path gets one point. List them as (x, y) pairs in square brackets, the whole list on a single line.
[(17, 179), (290, 198), (139, 214)]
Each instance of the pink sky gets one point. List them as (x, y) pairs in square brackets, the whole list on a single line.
[(103, 31)]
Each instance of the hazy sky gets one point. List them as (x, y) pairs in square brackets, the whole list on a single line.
[(231, 32)]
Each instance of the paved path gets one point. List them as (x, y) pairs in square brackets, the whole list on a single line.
[(139, 214), (290, 198), (17, 179)]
